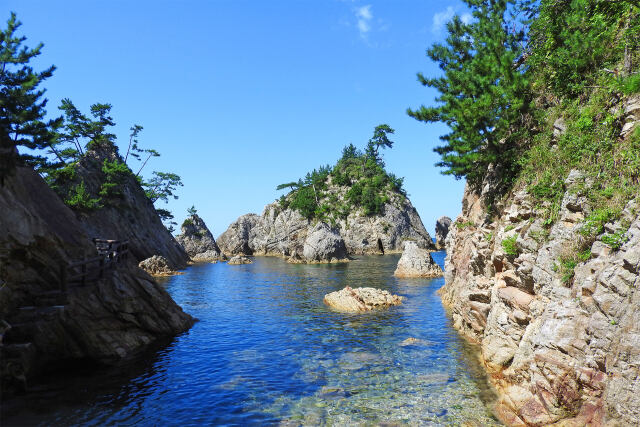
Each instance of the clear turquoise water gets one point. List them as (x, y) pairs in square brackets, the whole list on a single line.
[(268, 351)]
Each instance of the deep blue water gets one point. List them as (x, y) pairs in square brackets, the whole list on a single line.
[(268, 351)]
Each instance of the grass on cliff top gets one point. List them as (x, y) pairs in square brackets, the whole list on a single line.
[(592, 145)]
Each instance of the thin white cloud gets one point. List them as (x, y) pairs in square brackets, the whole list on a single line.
[(364, 16), (440, 19), (466, 18)]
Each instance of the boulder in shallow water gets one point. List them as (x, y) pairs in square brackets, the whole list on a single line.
[(324, 244), (157, 265), (416, 262), (238, 260), (359, 300)]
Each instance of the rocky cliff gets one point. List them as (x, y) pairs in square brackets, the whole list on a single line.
[(281, 231), (197, 240), (127, 213), (442, 229), (559, 335), (45, 320)]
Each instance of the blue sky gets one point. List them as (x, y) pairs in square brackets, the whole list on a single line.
[(240, 96)]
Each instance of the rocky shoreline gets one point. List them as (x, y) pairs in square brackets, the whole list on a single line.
[(558, 348)]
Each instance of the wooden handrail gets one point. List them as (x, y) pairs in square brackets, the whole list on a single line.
[(111, 253)]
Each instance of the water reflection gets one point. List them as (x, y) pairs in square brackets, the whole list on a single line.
[(267, 351)]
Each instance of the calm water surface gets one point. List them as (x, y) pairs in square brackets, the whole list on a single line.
[(268, 351)]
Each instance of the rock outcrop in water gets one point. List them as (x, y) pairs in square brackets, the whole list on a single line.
[(283, 232), (416, 262), (197, 240), (239, 260), (442, 229), (157, 266), (106, 319), (358, 300), (559, 345), (130, 213)]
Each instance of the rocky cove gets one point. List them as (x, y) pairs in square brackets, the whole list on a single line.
[(333, 305)]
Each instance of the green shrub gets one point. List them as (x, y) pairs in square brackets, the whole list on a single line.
[(615, 240), (509, 246), (115, 175), (79, 198)]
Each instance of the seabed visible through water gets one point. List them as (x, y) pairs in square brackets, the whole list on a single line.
[(268, 351)]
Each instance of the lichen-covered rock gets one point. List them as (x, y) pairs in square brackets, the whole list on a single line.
[(416, 262), (442, 229), (324, 244), (238, 260), (283, 232), (157, 266), (359, 300), (197, 240), (108, 319), (557, 348)]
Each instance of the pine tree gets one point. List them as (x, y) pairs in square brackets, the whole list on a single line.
[(483, 91), (22, 105)]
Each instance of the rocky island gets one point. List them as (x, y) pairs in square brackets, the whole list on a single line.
[(197, 240), (363, 207)]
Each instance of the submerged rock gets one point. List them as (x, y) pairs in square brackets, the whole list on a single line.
[(361, 299), (442, 229), (412, 341), (324, 244), (157, 265), (238, 260), (197, 240), (416, 262)]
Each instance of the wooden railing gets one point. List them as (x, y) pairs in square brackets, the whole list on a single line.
[(110, 253)]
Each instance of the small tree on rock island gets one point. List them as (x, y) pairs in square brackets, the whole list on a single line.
[(22, 106), (192, 210)]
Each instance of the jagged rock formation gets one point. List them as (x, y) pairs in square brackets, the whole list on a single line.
[(416, 262), (442, 229), (157, 266), (359, 300), (557, 348), (239, 259), (105, 320), (197, 240), (283, 231), (130, 214), (324, 244)]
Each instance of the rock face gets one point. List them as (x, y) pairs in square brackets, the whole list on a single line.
[(105, 320), (130, 215), (416, 262), (284, 232), (359, 300), (238, 260), (442, 229), (156, 266), (324, 244), (197, 240), (557, 348)]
